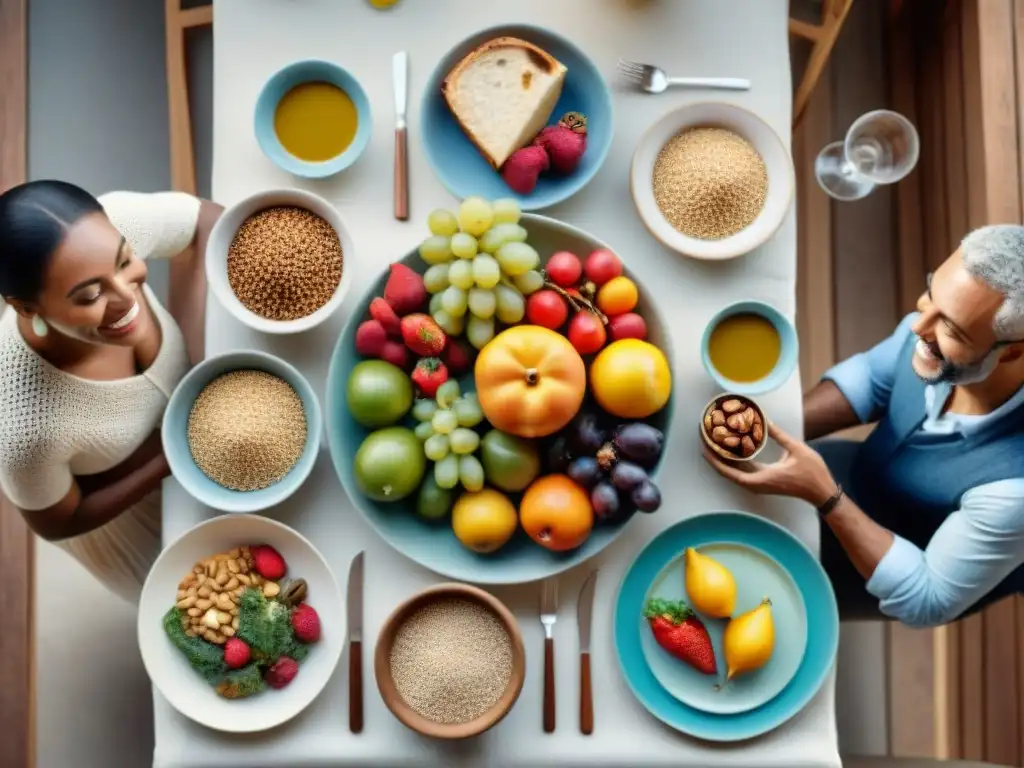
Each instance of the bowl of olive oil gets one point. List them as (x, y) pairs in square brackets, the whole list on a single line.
[(313, 119), (749, 348)]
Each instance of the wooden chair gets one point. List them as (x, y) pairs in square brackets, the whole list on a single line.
[(179, 20)]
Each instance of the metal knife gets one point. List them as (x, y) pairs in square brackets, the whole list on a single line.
[(355, 644), (584, 614), (400, 77)]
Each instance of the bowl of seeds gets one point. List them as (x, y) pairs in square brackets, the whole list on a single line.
[(450, 661), (277, 260), (712, 180), (241, 431)]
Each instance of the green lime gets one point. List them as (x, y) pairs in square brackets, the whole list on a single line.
[(389, 465), (434, 502), (379, 393), (510, 463)]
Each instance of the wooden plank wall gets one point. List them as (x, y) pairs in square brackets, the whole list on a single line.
[(17, 741), (954, 70)]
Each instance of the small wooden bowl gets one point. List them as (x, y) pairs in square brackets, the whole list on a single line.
[(718, 450), (386, 684)]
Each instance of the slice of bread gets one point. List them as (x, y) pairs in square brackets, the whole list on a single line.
[(502, 94)]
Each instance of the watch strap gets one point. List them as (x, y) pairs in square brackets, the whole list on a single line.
[(831, 502)]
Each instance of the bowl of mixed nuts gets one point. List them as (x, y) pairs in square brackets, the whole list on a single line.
[(241, 623), (734, 427)]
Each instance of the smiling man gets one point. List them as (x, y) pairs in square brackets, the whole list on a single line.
[(924, 520)]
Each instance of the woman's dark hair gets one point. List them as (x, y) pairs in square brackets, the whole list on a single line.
[(34, 217)]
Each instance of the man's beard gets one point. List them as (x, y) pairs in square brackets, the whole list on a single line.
[(955, 373)]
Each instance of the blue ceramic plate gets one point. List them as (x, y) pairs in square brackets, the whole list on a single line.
[(757, 576), (433, 545), (310, 71), (174, 433), (461, 167), (737, 528), (788, 355)]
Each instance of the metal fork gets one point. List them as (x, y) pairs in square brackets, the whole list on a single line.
[(654, 80), (548, 617)]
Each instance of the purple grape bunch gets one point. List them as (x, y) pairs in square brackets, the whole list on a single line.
[(611, 464)]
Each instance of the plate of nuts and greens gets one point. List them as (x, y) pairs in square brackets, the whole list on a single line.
[(227, 625), (734, 427)]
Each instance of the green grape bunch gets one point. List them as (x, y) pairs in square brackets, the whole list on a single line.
[(446, 429), (480, 268)]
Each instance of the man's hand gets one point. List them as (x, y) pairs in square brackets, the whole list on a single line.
[(800, 473)]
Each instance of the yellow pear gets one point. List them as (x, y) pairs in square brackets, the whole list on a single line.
[(749, 640), (709, 585)]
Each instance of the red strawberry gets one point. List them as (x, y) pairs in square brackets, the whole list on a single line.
[(524, 167), (306, 623), (457, 356), (404, 290), (236, 653), (422, 335), (565, 142), (370, 338), (678, 630), (382, 312), (267, 562), (429, 374), (394, 352), (282, 672)]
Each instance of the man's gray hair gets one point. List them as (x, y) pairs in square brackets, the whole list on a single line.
[(995, 255)]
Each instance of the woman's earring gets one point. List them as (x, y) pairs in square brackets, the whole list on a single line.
[(39, 326)]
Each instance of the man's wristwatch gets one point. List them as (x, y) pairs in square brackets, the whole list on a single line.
[(831, 502)]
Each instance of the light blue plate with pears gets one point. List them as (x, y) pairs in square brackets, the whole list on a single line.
[(768, 558), (757, 576)]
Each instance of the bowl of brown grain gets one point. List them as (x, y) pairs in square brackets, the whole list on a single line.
[(450, 661), (278, 260), (712, 180)]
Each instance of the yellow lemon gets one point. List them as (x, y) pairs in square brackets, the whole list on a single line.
[(709, 585), (749, 640), (631, 379), (484, 521), (382, 3)]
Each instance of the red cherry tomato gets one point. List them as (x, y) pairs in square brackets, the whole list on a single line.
[(601, 266), (546, 308), (564, 269), (586, 333), (627, 326)]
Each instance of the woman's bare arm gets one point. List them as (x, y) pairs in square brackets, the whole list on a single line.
[(187, 289)]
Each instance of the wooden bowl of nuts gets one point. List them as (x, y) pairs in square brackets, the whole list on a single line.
[(241, 623), (734, 427), (450, 661)]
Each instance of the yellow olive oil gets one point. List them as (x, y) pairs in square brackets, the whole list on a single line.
[(745, 347), (316, 121)]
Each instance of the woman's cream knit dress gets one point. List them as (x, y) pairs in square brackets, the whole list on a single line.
[(54, 425)]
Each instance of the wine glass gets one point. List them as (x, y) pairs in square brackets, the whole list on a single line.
[(881, 147)]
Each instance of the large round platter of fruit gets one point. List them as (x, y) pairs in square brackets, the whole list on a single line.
[(497, 405)]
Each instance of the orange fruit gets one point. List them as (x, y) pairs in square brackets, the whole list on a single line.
[(631, 379), (617, 296), (556, 513)]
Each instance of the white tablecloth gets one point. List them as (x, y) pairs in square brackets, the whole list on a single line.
[(747, 38)]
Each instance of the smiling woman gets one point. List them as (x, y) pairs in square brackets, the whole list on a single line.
[(88, 359)]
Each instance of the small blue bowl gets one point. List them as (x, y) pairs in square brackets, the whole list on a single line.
[(174, 433), (459, 164), (787, 358), (310, 71)]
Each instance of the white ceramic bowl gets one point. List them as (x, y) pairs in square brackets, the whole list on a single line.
[(181, 685), (718, 114), (224, 232)]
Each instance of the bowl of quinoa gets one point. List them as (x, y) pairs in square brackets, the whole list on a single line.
[(450, 662), (241, 431), (279, 260), (712, 180)]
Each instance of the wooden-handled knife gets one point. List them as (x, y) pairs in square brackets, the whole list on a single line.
[(584, 616), (400, 76), (355, 644)]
